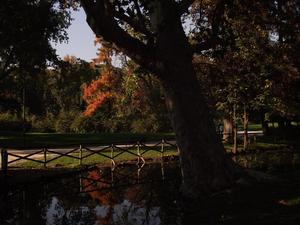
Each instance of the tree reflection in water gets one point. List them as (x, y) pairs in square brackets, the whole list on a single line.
[(94, 197), (124, 204)]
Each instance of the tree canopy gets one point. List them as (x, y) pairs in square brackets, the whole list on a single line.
[(26, 31)]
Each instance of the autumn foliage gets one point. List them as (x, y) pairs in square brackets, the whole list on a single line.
[(126, 97), (104, 87)]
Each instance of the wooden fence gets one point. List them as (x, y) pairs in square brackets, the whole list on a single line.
[(112, 152)]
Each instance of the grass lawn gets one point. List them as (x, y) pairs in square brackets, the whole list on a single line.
[(38, 140), (251, 127)]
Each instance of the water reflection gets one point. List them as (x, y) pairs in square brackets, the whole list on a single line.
[(98, 196), (126, 195)]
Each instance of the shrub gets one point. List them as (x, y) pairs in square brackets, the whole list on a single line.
[(64, 121), (43, 124), (84, 124), (146, 124)]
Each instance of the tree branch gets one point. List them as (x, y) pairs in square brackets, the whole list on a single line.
[(217, 17), (6, 69), (184, 5), (100, 19), (139, 13), (215, 26), (136, 25)]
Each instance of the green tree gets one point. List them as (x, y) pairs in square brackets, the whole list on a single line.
[(64, 84), (254, 71), (27, 27)]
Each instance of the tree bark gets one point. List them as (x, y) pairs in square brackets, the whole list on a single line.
[(235, 131), (206, 167), (245, 125), (264, 124), (228, 129)]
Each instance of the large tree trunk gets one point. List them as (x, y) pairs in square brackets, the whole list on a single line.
[(206, 167)]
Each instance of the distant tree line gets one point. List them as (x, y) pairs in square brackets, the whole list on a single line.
[(76, 96)]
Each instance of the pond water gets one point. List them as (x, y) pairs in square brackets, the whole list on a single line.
[(150, 195)]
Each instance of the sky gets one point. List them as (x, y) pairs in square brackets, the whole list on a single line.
[(81, 39)]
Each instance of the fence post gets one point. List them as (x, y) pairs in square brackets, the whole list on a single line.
[(138, 152), (162, 149), (113, 164), (80, 155), (112, 155), (4, 160), (180, 162), (45, 157)]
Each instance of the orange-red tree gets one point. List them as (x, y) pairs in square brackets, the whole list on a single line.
[(132, 99), (106, 87)]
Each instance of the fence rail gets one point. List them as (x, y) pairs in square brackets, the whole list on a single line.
[(45, 155)]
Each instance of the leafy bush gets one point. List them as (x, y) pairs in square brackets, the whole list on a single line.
[(64, 121), (84, 124), (79, 124), (43, 124), (150, 124)]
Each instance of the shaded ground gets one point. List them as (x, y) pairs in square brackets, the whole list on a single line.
[(264, 203)]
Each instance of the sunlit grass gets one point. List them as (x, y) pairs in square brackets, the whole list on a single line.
[(294, 201)]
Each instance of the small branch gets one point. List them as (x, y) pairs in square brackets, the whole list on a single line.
[(184, 5), (136, 25), (215, 26), (217, 17), (139, 14)]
